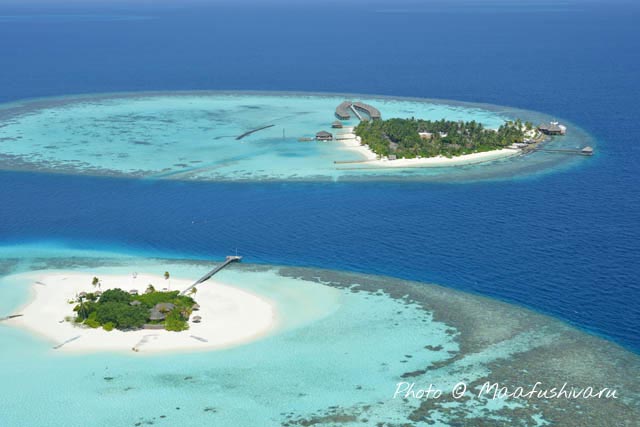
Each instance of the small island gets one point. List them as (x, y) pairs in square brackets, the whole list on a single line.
[(118, 309), (79, 312)]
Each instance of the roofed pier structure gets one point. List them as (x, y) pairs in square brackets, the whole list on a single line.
[(553, 128), (371, 111), (323, 135), (343, 113)]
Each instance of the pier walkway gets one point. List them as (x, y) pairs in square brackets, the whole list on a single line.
[(586, 151), (228, 260), (355, 112), (253, 131)]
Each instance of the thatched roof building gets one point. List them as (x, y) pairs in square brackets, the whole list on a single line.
[(323, 135), (552, 128), (159, 312), (156, 315), (342, 110)]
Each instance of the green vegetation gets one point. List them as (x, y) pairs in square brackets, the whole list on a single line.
[(401, 137), (118, 309)]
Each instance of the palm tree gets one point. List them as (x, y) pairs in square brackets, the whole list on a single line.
[(82, 311), (95, 282), (193, 291), (150, 289), (167, 276)]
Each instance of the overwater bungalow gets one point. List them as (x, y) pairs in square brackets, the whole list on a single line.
[(552, 128), (342, 110), (370, 110), (323, 135), (337, 124), (587, 151)]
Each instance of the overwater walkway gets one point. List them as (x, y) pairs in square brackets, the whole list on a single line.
[(230, 259)]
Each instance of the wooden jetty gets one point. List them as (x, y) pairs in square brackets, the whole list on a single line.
[(586, 151), (63, 343), (230, 259), (252, 131), (345, 162), (355, 112), (13, 316)]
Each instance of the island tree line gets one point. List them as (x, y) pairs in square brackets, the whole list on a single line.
[(402, 137)]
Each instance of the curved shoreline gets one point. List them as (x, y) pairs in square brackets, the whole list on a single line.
[(452, 336), (231, 316)]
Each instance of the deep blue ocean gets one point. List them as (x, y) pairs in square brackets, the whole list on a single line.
[(564, 243)]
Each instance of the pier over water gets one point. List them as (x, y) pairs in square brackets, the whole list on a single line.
[(228, 260), (343, 111)]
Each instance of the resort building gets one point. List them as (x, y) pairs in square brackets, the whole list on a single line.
[(344, 110), (425, 135), (159, 312), (323, 135), (587, 151), (370, 110), (553, 128)]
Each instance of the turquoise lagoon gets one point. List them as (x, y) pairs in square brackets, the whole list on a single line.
[(336, 365), (192, 135)]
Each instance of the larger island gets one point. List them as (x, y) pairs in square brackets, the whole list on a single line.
[(401, 142)]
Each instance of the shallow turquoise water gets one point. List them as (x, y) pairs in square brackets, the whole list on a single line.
[(337, 368), (192, 135)]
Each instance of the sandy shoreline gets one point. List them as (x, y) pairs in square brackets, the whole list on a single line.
[(230, 316), (351, 142)]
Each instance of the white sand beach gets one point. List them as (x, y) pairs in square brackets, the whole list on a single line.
[(352, 142), (230, 316), (441, 161)]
